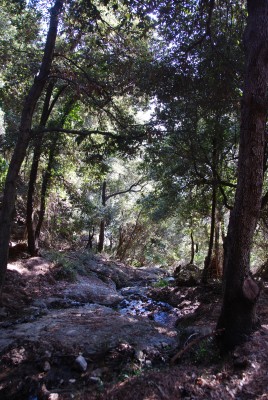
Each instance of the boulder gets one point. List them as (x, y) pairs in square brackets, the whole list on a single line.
[(187, 275)]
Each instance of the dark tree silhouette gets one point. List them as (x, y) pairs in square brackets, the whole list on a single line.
[(240, 291), (24, 138)]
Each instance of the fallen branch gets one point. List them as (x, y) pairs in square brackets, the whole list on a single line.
[(192, 343)]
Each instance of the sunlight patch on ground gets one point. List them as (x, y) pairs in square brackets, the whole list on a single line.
[(32, 266), (166, 331)]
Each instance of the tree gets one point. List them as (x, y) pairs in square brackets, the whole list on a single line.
[(24, 137), (238, 314), (105, 197), (193, 146), (33, 234)]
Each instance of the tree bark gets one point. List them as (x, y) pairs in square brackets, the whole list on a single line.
[(207, 263), (33, 234), (23, 139), (102, 222), (33, 173), (192, 248), (240, 291), (89, 244), (45, 186)]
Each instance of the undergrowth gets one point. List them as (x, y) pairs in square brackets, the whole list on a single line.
[(68, 265)]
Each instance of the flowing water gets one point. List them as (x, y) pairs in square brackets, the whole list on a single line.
[(142, 305)]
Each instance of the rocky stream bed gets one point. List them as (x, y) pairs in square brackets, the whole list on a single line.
[(109, 334)]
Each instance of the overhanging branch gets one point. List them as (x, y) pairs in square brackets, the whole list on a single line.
[(130, 189)]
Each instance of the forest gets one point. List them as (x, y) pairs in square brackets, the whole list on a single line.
[(133, 199)]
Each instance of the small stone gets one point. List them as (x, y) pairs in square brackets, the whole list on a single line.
[(72, 381), (46, 366), (148, 363), (3, 312), (48, 354), (95, 379), (164, 345), (81, 363), (53, 396), (139, 355)]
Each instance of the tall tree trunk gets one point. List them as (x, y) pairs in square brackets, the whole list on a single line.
[(30, 198), (207, 263), (23, 139), (237, 316), (101, 236), (102, 223), (192, 248), (217, 247), (45, 186), (89, 244), (33, 234), (33, 173)]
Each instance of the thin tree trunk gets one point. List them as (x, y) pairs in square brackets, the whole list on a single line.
[(217, 248), (89, 244), (120, 241), (102, 222), (101, 236), (238, 316), (192, 248), (23, 139), (207, 263), (35, 234), (45, 186), (33, 172)]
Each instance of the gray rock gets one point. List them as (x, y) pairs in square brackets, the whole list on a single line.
[(91, 329), (138, 290), (46, 366), (81, 363), (3, 312), (96, 379), (93, 290), (53, 396)]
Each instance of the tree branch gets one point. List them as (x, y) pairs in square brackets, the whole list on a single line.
[(125, 191), (83, 132)]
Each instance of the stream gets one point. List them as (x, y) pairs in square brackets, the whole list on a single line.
[(138, 303)]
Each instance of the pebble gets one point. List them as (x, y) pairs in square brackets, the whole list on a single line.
[(95, 379), (139, 355), (46, 366), (164, 345), (81, 363), (53, 396), (48, 354), (3, 312)]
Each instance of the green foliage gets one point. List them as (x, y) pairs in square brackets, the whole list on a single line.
[(161, 283), (63, 268), (67, 265), (113, 59), (3, 171), (206, 352)]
